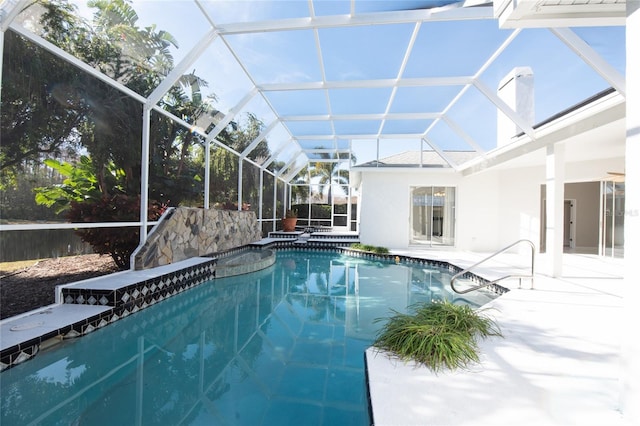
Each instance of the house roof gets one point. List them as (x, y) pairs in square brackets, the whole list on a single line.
[(429, 159)]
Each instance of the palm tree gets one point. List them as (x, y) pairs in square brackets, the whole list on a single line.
[(329, 171), (300, 186)]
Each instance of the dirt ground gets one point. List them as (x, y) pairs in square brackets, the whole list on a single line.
[(32, 285)]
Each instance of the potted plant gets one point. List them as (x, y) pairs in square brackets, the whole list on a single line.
[(289, 221)]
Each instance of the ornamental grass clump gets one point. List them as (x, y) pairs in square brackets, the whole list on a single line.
[(438, 335), (370, 248)]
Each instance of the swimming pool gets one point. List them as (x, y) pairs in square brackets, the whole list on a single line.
[(284, 345)]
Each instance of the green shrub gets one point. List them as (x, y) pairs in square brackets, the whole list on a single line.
[(438, 335), (119, 243), (370, 248)]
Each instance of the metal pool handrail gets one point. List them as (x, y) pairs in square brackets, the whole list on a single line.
[(520, 276)]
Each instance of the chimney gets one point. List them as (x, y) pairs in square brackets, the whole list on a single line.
[(516, 89)]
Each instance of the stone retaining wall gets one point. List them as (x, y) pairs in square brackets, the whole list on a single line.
[(187, 232)]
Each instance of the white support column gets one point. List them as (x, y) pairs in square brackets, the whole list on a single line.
[(260, 196), (555, 208), (240, 173), (348, 208), (144, 174), (630, 371), (275, 204), (207, 173)]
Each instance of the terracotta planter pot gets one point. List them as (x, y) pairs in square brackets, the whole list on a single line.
[(289, 224)]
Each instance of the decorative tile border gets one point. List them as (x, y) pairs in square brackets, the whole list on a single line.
[(282, 234), (17, 354), (123, 302), (334, 246), (143, 293), (453, 269)]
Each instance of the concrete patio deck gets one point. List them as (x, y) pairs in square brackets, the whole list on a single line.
[(558, 363)]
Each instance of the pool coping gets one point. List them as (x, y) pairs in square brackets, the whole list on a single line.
[(557, 364), (85, 306)]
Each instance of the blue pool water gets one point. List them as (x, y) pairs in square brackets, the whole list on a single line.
[(283, 346)]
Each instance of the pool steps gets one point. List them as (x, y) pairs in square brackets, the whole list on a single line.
[(311, 237)]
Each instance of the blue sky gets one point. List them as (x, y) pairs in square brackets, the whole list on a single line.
[(439, 49)]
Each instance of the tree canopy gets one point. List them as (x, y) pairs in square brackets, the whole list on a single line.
[(51, 109), (329, 172), (88, 133)]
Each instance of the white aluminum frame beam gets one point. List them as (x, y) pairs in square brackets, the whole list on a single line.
[(207, 174), (8, 12), (368, 84), (462, 91), (36, 39), (281, 173), (440, 152), (55, 50), (274, 156), (328, 160), (327, 151), (247, 73), (228, 118), (592, 58), (192, 128), (372, 117), (179, 70), (464, 135), (259, 139), (71, 225), (502, 105), (452, 12), (403, 66), (323, 72), (288, 176), (144, 174), (363, 136), (240, 179), (294, 173)]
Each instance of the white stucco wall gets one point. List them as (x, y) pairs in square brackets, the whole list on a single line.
[(493, 208), (478, 212), (597, 169), (385, 203), (385, 206), (520, 205)]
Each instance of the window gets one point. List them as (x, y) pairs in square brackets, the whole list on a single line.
[(433, 215)]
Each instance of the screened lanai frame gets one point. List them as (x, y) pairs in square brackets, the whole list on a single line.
[(336, 127)]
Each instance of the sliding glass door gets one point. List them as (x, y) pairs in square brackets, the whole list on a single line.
[(612, 230), (433, 215)]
